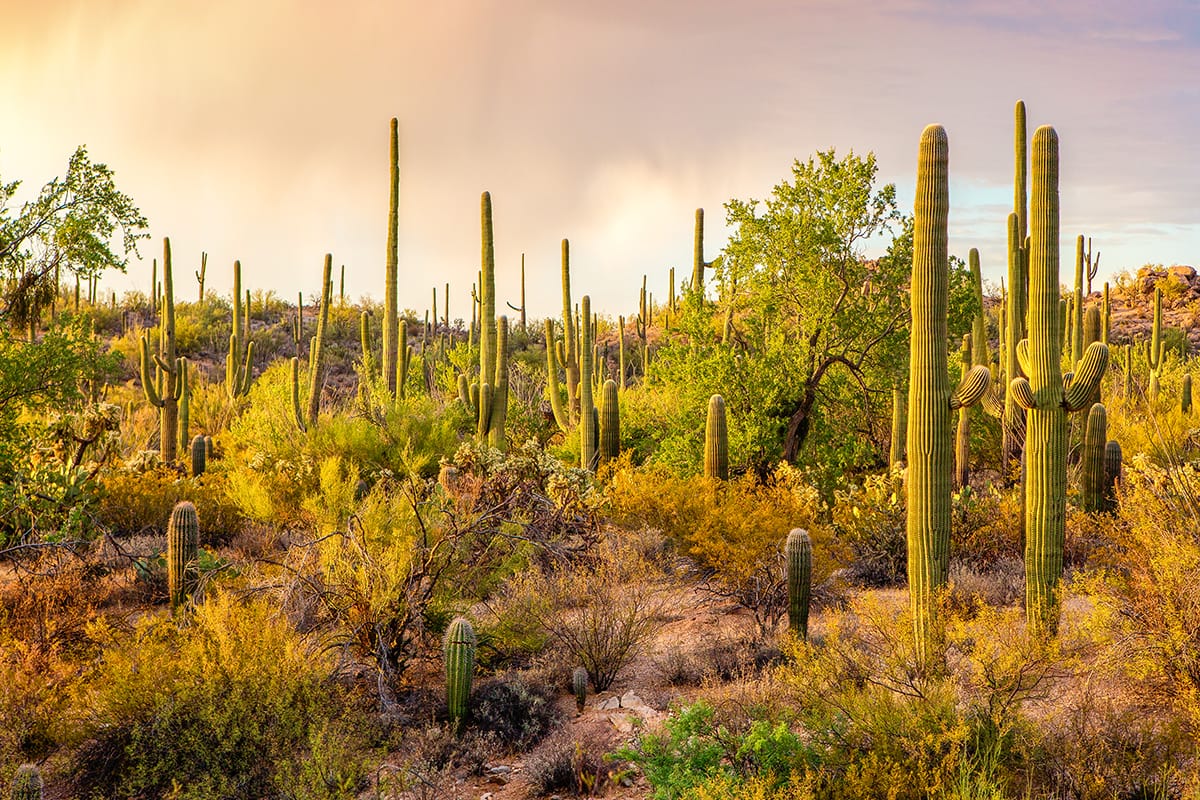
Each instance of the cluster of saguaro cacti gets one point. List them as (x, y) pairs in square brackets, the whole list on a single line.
[(798, 554), (716, 440), (1045, 397), (166, 385), (241, 351), (458, 650), (579, 683), (27, 783), (930, 400), (306, 413), (183, 543)]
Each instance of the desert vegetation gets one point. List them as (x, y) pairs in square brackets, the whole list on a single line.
[(814, 522)]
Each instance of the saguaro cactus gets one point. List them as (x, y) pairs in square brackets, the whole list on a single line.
[(183, 543), (1091, 462), (579, 682), (499, 417), (458, 649), (200, 273), (929, 397), (698, 257), (716, 440), (561, 413), (798, 553), (241, 352), (1013, 421), (587, 404), (899, 418), (1045, 398), (962, 435), (27, 783), (391, 315), (1185, 394), (610, 422), (199, 450), (163, 391), (1112, 473), (570, 353)]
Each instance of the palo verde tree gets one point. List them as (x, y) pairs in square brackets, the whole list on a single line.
[(70, 226), (828, 323)]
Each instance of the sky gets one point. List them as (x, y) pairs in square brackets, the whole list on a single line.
[(259, 130)]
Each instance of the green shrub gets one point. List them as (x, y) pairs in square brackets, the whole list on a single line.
[(213, 707), (135, 503)]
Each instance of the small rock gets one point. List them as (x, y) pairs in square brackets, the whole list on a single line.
[(609, 704), (500, 769), (487, 796)]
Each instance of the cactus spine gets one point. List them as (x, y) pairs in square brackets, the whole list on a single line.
[(27, 783), (716, 440), (798, 552), (1091, 467), (899, 418), (183, 542), (1045, 398), (610, 422), (587, 405), (458, 649), (164, 391), (199, 454), (930, 469), (579, 682)]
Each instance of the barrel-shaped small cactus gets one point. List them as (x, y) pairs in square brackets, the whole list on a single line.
[(27, 783), (199, 454), (183, 544), (1091, 462), (716, 440), (458, 649), (579, 683), (610, 421), (798, 553)]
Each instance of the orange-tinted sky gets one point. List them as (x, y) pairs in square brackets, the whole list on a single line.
[(258, 129)]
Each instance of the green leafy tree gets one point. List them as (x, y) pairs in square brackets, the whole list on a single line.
[(810, 333), (70, 226)]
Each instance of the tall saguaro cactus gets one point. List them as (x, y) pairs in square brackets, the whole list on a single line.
[(1044, 396), (238, 360), (716, 440), (164, 390), (698, 256), (570, 354), (391, 314), (1013, 421), (929, 397)]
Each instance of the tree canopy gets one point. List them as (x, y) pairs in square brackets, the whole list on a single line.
[(70, 226)]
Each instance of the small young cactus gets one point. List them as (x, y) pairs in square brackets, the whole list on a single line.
[(579, 682), (27, 783), (458, 649), (798, 551), (1185, 394), (183, 543), (716, 440), (1091, 467), (199, 454)]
